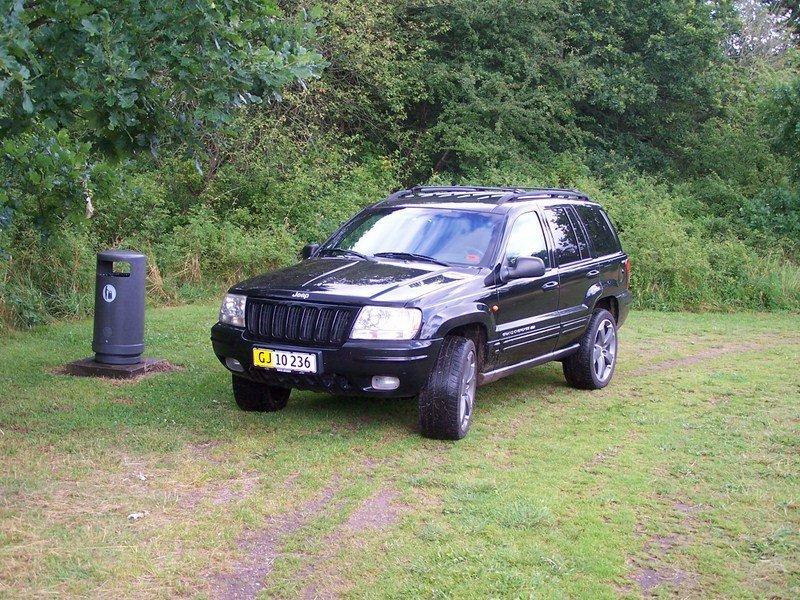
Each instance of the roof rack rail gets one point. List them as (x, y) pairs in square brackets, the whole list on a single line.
[(394, 196), (509, 194), (536, 194), (463, 188)]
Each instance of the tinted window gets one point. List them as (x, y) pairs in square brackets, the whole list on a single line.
[(527, 239), (453, 236), (583, 244), (566, 243), (603, 239)]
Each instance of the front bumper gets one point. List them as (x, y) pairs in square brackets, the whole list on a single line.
[(347, 369)]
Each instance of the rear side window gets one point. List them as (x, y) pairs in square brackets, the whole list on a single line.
[(527, 239), (583, 244), (601, 235), (566, 243)]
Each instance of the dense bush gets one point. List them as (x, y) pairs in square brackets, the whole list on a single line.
[(692, 151), (253, 215)]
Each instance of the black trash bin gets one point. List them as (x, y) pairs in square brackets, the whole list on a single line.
[(119, 307)]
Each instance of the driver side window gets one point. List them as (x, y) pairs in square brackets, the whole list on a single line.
[(527, 239)]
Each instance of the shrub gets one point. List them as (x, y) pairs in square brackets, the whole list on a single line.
[(41, 281)]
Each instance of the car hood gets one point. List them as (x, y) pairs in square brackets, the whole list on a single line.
[(346, 280)]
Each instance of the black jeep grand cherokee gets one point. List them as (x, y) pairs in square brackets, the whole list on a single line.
[(431, 292)]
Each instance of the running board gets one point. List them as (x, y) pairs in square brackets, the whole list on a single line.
[(511, 369)]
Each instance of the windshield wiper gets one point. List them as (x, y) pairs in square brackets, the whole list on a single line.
[(347, 252), (412, 256)]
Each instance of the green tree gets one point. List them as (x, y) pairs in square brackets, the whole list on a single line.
[(789, 11), (134, 73), (532, 77), (654, 72), (125, 76), (782, 110)]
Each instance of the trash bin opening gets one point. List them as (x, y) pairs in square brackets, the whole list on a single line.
[(121, 269)]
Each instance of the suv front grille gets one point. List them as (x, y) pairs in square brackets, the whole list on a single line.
[(294, 322)]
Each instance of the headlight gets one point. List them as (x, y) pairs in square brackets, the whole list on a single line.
[(232, 310), (386, 323)]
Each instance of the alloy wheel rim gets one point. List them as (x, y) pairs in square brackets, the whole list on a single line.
[(467, 391), (604, 353)]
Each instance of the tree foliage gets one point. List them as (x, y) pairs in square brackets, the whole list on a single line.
[(762, 36), (782, 111), (83, 79), (215, 135), (129, 74), (474, 81), (789, 12)]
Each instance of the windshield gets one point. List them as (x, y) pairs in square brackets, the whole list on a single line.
[(451, 236)]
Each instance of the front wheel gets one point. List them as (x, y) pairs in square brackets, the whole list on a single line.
[(259, 397), (592, 366), (447, 401)]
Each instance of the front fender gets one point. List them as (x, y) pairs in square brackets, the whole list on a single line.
[(447, 318)]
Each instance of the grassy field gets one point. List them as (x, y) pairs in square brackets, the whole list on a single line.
[(680, 479)]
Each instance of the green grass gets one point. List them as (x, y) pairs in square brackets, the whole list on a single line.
[(681, 477)]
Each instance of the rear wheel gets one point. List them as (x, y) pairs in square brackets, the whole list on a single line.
[(447, 401), (592, 366), (252, 396)]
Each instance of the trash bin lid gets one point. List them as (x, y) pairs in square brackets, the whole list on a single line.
[(120, 255)]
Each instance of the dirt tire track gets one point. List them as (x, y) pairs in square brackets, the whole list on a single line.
[(378, 511), (703, 355), (246, 577), (655, 569)]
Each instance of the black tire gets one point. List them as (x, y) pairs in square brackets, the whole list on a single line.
[(583, 370), (444, 412), (252, 396)]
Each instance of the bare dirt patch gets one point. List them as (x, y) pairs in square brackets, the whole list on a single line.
[(204, 448), (655, 568), (15, 428), (263, 546), (648, 579), (652, 348), (162, 366), (687, 509), (719, 399), (222, 492), (379, 511), (290, 480), (236, 489), (601, 457)]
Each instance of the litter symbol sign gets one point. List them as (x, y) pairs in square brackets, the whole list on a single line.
[(109, 293)]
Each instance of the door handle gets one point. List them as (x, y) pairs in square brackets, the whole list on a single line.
[(550, 284), (593, 272)]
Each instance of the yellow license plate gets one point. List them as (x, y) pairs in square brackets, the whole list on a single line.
[(283, 360)]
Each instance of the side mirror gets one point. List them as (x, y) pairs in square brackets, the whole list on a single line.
[(308, 251), (523, 267)]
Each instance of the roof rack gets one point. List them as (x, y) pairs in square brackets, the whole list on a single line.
[(395, 195), (463, 188), (539, 194), (509, 194)]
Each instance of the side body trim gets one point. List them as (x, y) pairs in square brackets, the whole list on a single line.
[(484, 378)]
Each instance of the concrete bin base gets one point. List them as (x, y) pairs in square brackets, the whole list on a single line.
[(87, 367)]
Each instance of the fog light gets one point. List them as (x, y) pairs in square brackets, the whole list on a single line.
[(385, 382), (234, 365)]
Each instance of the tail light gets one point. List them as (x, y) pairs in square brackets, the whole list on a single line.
[(626, 267)]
